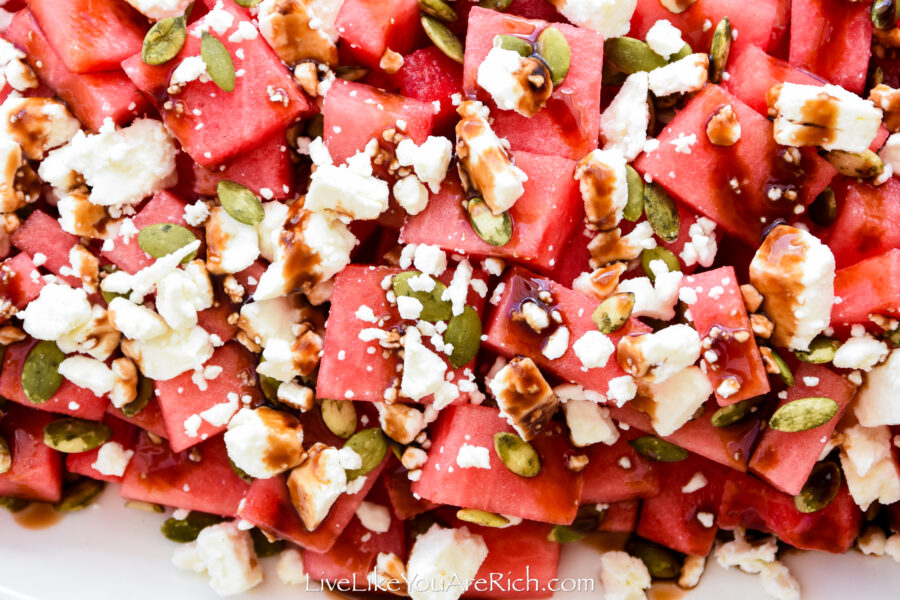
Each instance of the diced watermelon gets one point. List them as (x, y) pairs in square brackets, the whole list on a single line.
[(536, 241), (865, 214), (569, 124), (215, 319), (202, 116), (397, 484), (551, 496), (673, 518), (779, 42), (607, 481), (868, 287), (266, 169), (150, 419), (92, 97), (755, 161), (785, 459), (720, 305), (620, 517), (575, 260), (36, 471), (249, 277), (753, 73), (93, 35), (751, 503), (20, 281), (82, 462), (69, 399), (181, 397), (832, 38), (370, 27), (534, 9), (42, 234), (429, 75)]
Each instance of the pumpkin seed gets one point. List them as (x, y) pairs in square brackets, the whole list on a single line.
[(685, 51), (823, 210), (72, 436), (659, 253), (161, 239), (498, 5), (144, 393), (514, 43), (371, 445), (79, 495), (650, 446), (821, 350), (164, 41), (496, 230), (40, 372), (734, 413), (13, 505), (661, 562), (892, 337), (445, 40), (5, 456), (110, 296), (587, 519), (661, 212), (269, 386), (242, 474), (145, 506), (480, 517), (613, 312), (820, 488), (803, 414), (350, 73), (438, 9), (218, 62), (339, 417), (720, 49), (186, 530), (553, 47), (464, 332), (635, 206), (629, 55), (517, 455), (433, 308), (239, 202), (247, 3), (784, 371), (865, 164), (884, 14), (263, 546)]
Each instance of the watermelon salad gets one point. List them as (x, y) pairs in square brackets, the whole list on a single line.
[(412, 293)]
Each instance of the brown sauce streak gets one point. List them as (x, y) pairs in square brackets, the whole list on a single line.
[(665, 591), (282, 448), (301, 261), (37, 515)]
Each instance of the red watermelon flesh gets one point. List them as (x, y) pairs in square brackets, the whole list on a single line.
[(536, 241), (267, 170), (863, 226), (81, 463), (869, 287), (429, 75), (779, 42), (215, 319), (42, 234), (551, 496), (370, 27), (36, 471), (398, 486), (753, 73), (785, 459), (569, 124), (620, 517), (607, 480), (92, 97), (20, 281), (534, 9), (150, 419)]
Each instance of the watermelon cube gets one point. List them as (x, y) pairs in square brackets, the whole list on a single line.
[(267, 170), (36, 472), (607, 481), (42, 234), (869, 287), (535, 9), (620, 517), (863, 226), (150, 419), (753, 73), (20, 281), (569, 124), (123, 434), (398, 486), (368, 28), (215, 319), (428, 75)]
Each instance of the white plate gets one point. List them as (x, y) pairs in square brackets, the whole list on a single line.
[(111, 552)]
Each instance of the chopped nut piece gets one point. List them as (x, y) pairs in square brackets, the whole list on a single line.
[(604, 189), (233, 289), (524, 397), (888, 100), (610, 246), (288, 27), (602, 282), (768, 360), (391, 61), (761, 325), (10, 334), (125, 387), (306, 74), (752, 298), (677, 6), (723, 128)]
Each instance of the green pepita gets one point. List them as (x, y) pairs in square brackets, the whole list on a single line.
[(351, 73), (820, 489), (892, 337), (13, 505), (629, 55), (803, 414), (821, 350), (517, 455), (40, 372), (161, 239), (371, 446), (5, 456), (71, 435), (186, 530), (650, 446), (145, 506), (433, 308), (263, 546), (480, 517), (239, 202), (242, 474), (553, 47), (464, 332), (720, 49), (823, 210), (659, 253), (144, 393), (79, 495), (164, 41), (865, 164), (339, 417), (734, 413), (661, 562), (498, 5), (438, 9), (635, 206), (661, 212), (587, 519), (514, 43), (784, 371), (268, 386), (445, 40), (248, 3), (218, 62), (496, 230), (884, 14), (612, 314), (685, 51)]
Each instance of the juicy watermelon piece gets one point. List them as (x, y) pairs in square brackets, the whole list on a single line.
[(868, 287), (215, 319), (620, 517), (673, 517), (81, 463), (755, 161), (429, 75), (569, 124), (779, 41), (36, 472), (832, 39), (537, 241), (181, 397), (42, 234), (20, 281), (92, 97), (150, 419), (551, 496), (865, 214), (607, 481), (94, 35), (753, 504), (398, 486), (69, 399), (784, 459), (158, 475), (534, 9), (212, 135), (370, 27), (266, 169), (753, 73), (721, 305)]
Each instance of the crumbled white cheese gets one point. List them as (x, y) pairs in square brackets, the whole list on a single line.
[(442, 562), (112, 459), (473, 457), (624, 122), (664, 38)]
